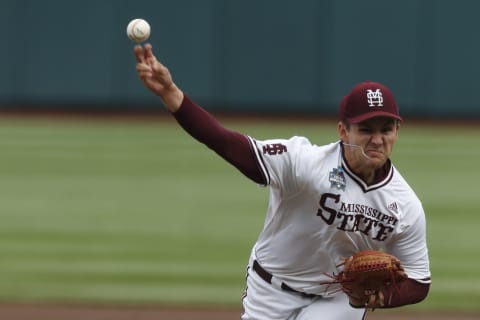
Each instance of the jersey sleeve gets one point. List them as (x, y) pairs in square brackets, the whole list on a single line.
[(411, 248), (233, 146), (279, 160)]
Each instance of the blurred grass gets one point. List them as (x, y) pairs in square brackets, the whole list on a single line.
[(138, 212)]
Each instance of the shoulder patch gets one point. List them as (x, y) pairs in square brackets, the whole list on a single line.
[(274, 149)]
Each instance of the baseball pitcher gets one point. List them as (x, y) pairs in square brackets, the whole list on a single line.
[(344, 232)]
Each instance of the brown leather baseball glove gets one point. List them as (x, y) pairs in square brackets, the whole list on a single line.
[(365, 276)]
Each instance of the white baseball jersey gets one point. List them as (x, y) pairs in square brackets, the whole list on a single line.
[(320, 212)]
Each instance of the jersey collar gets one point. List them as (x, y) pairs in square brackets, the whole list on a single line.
[(382, 176)]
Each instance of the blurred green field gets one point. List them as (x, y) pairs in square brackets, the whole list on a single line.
[(124, 211)]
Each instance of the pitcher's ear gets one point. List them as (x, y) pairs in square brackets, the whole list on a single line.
[(342, 130)]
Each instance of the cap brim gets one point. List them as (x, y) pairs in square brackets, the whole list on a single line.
[(373, 114)]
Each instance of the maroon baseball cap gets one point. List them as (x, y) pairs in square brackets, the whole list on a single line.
[(367, 100)]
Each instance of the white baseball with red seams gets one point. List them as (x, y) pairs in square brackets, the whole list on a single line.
[(138, 30)]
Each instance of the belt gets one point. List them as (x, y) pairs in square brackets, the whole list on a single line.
[(267, 277)]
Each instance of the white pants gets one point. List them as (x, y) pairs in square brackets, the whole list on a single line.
[(262, 301)]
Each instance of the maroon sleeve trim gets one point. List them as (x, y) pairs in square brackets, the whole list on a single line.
[(406, 292), (260, 162), (234, 147)]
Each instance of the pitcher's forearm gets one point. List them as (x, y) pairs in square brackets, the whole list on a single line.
[(233, 146)]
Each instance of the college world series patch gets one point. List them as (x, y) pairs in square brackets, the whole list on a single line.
[(337, 179)]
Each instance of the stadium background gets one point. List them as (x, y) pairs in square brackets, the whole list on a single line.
[(245, 55), (108, 208)]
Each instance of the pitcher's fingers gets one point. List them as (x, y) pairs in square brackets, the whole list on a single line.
[(159, 68), (144, 75), (142, 66), (381, 299), (144, 70), (149, 56), (139, 54), (148, 50), (371, 301)]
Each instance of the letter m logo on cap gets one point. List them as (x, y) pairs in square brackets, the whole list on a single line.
[(374, 98)]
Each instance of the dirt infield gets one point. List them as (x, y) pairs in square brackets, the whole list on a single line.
[(84, 312)]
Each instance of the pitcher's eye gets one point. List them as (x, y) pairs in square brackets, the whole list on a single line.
[(387, 129), (365, 130)]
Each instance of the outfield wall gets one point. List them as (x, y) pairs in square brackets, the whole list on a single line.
[(265, 55)]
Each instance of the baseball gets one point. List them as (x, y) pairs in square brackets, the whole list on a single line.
[(138, 30)]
